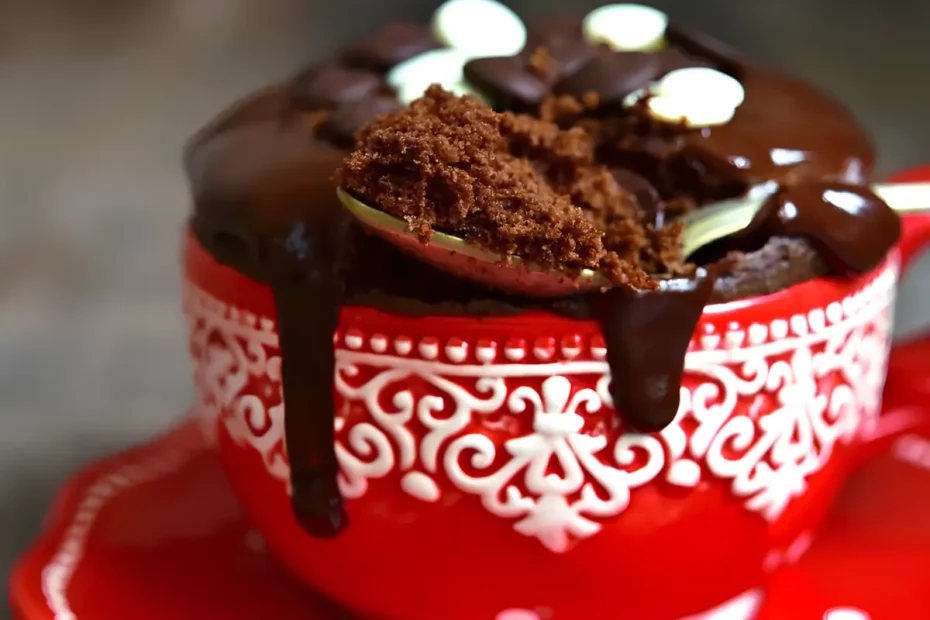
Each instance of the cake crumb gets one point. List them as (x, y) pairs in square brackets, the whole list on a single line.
[(514, 184), (542, 64)]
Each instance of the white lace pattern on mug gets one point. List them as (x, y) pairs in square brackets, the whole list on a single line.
[(521, 426)]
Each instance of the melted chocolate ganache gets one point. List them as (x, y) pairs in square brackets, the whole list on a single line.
[(264, 204)]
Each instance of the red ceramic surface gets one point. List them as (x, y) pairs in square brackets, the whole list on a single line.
[(484, 470), (156, 533)]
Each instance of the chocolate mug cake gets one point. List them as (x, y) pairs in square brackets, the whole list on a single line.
[(569, 170)]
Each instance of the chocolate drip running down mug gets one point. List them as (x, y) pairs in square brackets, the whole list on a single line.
[(482, 472)]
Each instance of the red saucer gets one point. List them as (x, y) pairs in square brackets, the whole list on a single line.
[(156, 533)]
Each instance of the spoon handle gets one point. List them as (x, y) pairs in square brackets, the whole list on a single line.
[(905, 197), (707, 224)]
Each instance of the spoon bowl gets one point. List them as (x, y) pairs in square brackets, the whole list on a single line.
[(701, 227), (468, 260)]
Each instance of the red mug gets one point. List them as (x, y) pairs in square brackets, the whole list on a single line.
[(484, 480)]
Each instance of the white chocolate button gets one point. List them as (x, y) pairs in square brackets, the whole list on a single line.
[(702, 82), (434, 66), (696, 112), (627, 27), (694, 97), (479, 28), (412, 77)]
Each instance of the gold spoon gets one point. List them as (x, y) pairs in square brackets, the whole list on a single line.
[(701, 227)]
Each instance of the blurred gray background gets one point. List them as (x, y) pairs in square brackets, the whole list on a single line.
[(96, 98)]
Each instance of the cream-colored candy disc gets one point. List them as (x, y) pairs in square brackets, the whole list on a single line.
[(702, 82), (479, 28), (695, 97), (627, 27), (412, 77), (696, 112)]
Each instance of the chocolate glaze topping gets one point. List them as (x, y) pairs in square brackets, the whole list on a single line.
[(850, 226), (767, 140), (264, 204), (647, 335)]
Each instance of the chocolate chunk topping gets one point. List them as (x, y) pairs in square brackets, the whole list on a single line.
[(339, 127), (393, 44), (521, 82), (701, 45), (507, 80), (612, 76), (332, 85), (568, 55), (546, 31)]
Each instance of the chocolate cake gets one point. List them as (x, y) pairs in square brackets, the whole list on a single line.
[(515, 184), (557, 154)]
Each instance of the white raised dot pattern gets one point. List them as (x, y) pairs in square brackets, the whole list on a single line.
[(779, 328), (457, 350), (757, 333), (544, 349), (379, 343), (429, 348), (403, 345), (685, 473), (486, 351), (817, 319), (517, 614), (734, 337), (571, 347), (354, 340)]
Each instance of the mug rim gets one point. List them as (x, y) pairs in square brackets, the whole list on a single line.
[(817, 291)]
